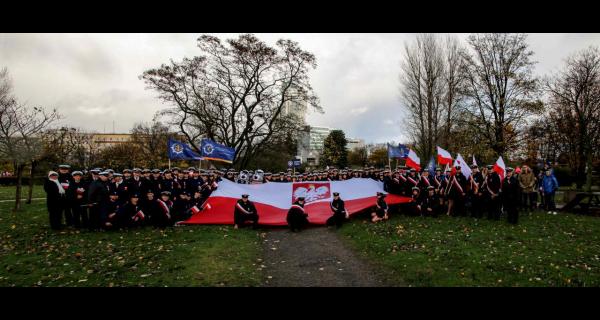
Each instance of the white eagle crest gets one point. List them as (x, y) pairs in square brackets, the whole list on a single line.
[(311, 193)]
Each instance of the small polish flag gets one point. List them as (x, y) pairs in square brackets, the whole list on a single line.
[(444, 156), (500, 168), (413, 160), (195, 210), (65, 185)]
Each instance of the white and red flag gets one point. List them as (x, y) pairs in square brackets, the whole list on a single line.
[(413, 160), (273, 200), (500, 168), (444, 156), (464, 167)]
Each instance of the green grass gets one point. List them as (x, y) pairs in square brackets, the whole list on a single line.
[(8, 193), (33, 255), (543, 250)]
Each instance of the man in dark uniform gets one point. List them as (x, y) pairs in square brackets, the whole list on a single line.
[(77, 195), (97, 200), (245, 211), (109, 215), (195, 181), (414, 206), (339, 211), (493, 185), (476, 192), (510, 196), (412, 180), (131, 214), (120, 187), (425, 182), (437, 179), (458, 192), (380, 211), (430, 205), (297, 218), (65, 179), (181, 205)]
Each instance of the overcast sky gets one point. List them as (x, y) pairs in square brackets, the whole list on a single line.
[(93, 78)]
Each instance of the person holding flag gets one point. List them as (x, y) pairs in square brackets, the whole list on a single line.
[(457, 193), (476, 191), (245, 211)]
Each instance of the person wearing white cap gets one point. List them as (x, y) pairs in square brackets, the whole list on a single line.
[(55, 196), (97, 199)]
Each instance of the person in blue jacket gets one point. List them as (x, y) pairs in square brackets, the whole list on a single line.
[(549, 186)]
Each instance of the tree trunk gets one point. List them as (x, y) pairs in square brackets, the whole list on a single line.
[(589, 171), (30, 193), (20, 169)]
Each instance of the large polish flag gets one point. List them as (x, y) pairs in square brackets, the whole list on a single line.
[(413, 160), (273, 200), (500, 168), (444, 156)]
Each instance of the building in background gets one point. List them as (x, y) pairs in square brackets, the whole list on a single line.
[(297, 104), (310, 144), (353, 144)]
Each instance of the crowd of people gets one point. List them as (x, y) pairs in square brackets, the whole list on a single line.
[(104, 199)]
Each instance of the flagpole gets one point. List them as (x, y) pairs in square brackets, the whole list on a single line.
[(169, 163)]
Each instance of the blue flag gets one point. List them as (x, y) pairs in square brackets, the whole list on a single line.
[(181, 151), (431, 166), (401, 151), (217, 152)]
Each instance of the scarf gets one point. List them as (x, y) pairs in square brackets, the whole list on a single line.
[(61, 191)]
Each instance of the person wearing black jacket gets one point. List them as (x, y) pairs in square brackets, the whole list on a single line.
[(150, 207), (510, 196), (97, 200), (77, 195), (339, 211), (492, 189), (244, 211), (65, 179), (381, 208), (55, 196), (297, 218), (131, 214), (430, 205)]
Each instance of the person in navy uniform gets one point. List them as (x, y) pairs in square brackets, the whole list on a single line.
[(430, 205), (380, 211), (77, 195), (414, 206), (244, 211), (117, 185), (424, 182), (297, 218), (97, 200), (55, 195), (339, 211), (493, 188), (163, 216), (181, 205), (510, 196), (109, 216), (457, 192), (166, 183), (150, 208), (476, 192), (131, 214), (65, 179)]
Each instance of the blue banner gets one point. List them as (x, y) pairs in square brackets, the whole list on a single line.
[(217, 152), (178, 150), (401, 151), (431, 166)]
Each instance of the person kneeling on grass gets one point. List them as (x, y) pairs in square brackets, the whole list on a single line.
[(245, 211), (297, 218), (430, 205), (109, 217), (339, 211), (381, 208), (414, 206), (131, 213)]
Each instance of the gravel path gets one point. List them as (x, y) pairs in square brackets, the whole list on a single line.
[(314, 257)]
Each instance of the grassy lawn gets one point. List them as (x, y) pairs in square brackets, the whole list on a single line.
[(543, 250), (33, 255), (8, 193)]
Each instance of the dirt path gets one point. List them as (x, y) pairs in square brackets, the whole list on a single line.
[(313, 257)]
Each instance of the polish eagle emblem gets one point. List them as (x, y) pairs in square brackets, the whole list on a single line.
[(311, 191)]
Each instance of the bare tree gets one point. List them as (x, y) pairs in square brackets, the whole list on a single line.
[(454, 82), (501, 90), (422, 88), (151, 141), (20, 130), (235, 92), (574, 98)]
